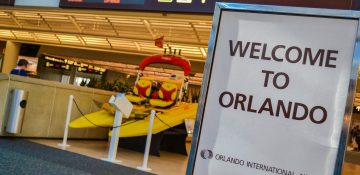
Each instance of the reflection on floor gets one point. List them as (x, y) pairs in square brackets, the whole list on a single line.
[(167, 164)]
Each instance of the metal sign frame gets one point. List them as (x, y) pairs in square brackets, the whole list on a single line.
[(282, 10)]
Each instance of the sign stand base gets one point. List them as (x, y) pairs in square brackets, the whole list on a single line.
[(112, 161), (63, 146), (143, 169)]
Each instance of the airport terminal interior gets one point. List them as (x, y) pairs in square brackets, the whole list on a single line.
[(83, 56)]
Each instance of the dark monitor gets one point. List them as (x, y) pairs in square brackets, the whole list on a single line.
[(7, 2), (30, 50)]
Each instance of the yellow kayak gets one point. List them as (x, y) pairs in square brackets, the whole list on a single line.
[(175, 116), (101, 118), (139, 127)]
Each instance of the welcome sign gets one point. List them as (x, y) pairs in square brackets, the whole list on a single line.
[(279, 82)]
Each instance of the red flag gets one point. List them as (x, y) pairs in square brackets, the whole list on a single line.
[(159, 42)]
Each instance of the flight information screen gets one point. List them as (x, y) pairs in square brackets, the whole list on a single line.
[(195, 6), (103, 4), (90, 2), (198, 6)]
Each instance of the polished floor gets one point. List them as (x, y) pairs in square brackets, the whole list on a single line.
[(167, 164)]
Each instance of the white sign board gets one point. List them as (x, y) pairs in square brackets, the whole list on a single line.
[(276, 96), (121, 103)]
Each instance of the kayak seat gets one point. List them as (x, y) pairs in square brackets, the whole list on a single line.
[(166, 96), (141, 92)]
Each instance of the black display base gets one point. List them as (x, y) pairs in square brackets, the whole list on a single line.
[(172, 140)]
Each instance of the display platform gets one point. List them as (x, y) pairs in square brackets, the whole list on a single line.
[(171, 140)]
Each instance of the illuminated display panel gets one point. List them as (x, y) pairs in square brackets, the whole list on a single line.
[(197, 6), (200, 6), (132, 2), (55, 65), (64, 64)]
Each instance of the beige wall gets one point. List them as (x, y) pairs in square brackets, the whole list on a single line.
[(47, 106)]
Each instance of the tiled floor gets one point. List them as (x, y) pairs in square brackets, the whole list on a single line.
[(167, 164)]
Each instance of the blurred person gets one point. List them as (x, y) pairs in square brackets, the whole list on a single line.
[(20, 69), (357, 140), (355, 137), (155, 89), (354, 131)]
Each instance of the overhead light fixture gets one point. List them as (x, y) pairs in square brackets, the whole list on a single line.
[(203, 52)]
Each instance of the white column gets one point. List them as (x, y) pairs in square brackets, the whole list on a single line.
[(11, 56)]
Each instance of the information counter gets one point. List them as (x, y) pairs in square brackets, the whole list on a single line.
[(46, 107)]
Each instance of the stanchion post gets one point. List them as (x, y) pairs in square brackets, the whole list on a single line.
[(148, 143), (114, 138), (64, 144), (123, 108)]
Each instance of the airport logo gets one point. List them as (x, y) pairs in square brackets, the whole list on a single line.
[(206, 154)]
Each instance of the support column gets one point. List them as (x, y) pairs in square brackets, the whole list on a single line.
[(11, 55)]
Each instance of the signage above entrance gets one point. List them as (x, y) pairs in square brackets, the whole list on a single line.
[(278, 88), (195, 6)]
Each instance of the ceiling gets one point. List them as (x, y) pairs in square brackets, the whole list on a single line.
[(115, 31)]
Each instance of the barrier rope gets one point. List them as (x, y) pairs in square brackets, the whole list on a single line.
[(78, 108), (136, 120)]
